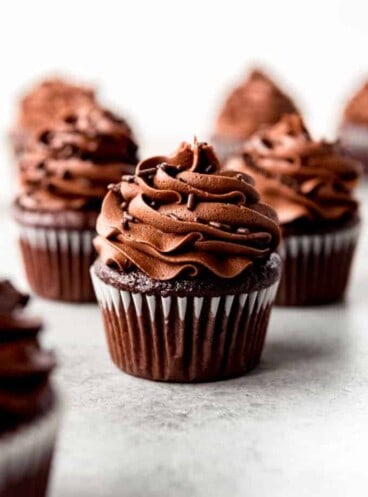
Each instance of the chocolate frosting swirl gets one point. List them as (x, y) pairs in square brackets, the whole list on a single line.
[(74, 149), (356, 110), (254, 103), (24, 367), (180, 216), (67, 121), (73, 184), (302, 179)]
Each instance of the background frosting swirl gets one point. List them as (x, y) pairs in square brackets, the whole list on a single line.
[(24, 367), (52, 185), (73, 148), (300, 178), (180, 216), (68, 120), (254, 103)]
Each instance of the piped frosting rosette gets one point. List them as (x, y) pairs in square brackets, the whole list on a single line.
[(180, 216)]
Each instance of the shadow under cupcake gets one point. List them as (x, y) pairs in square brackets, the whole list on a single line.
[(68, 155), (187, 269), (310, 184)]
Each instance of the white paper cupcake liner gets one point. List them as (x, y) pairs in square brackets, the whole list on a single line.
[(354, 140), (26, 455), (355, 136), (57, 262), (316, 267), (184, 338)]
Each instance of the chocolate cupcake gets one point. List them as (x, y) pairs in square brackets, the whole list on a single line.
[(187, 271), (28, 406), (310, 185), (251, 105), (353, 130), (66, 165)]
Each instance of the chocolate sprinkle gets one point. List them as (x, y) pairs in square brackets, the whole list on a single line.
[(129, 178), (66, 175), (268, 143), (146, 172), (242, 177), (46, 137), (191, 202), (51, 188), (172, 170), (128, 217), (210, 169), (173, 216), (113, 187), (198, 219), (124, 205), (220, 226), (243, 231), (71, 119)]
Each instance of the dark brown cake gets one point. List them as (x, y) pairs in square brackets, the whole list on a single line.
[(187, 270)]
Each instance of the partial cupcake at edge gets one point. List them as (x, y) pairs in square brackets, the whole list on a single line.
[(254, 103), (29, 408), (311, 186), (353, 130), (69, 149), (187, 269)]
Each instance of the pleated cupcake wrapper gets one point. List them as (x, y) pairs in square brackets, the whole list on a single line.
[(184, 338), (26, 456), (355, 136), (57, 262), (316, 267)]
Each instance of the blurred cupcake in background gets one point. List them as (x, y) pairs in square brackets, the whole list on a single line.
[(29, 409), (70, 149), (353, 131), (256, 102), (311, 186), (49, 102), (187, 270)]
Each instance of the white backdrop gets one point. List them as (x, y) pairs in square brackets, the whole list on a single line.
[(168, 64), (296, 427)]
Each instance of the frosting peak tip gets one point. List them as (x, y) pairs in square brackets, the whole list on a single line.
[(256, 101)]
